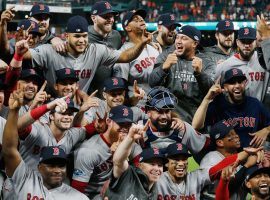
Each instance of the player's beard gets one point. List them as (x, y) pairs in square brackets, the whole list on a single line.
[(161, 127), (166, 39), (235, 100), (261, 194), (104, 28), (225, 45), (246, 56)]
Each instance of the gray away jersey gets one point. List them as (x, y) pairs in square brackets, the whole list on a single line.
[(188, 189), (257, 76), (138, 69), (28, 185), (41, 136), (93, 164), (85, 65)]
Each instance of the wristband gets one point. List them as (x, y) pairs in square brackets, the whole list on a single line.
[(18, 57), (38, 112)]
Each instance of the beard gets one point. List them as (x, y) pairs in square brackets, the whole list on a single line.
[(162, 128), (259, 193), (246, 56), (167, 40), (225, 45)]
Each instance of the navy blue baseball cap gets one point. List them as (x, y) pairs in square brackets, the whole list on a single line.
[(232, 74), (167, 20), (176, 149), (121, 114), (225, 25), (247, 33), (152, 153), (102, 8), (53, 154), (114, 83), (160, 98), (130, 14), (66, 73), (26, 23), (220, 130), (40, 9), (30, 73), (77, 24), (253, 171), (191, 32)]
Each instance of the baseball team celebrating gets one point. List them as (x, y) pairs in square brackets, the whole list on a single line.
[(92, 118)]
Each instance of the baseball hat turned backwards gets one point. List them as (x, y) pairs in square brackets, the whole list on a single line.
[(151, 153), (247, 33), (26, 23), (167, 20), (191, 32), (31, 74), (114, 83), (53, 154), (66, 73), (220, 130), (160, 98), (225, 25), (130, 14), (176, 149), (40, 9), (102, 8), (232, 74), (77, 24), (121, 114)]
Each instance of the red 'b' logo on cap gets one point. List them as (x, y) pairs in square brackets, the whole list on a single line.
[(125, 112), (32, 71), (156, 151), (246, 31), (172, 17), (227, 23), (234, 72), (108, 6), (67, 71), (56, 151), (179, 147), (41, 7), (115, 81)]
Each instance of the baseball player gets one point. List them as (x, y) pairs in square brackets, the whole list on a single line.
[(166, 30), (128, 182), (101, 32), (258, 183), (140, 68), (186, 74), (225, 42), (84, 58), (165, 127), (29, 184), (92, 170), (3, 108), (114, 93), (247, 61), (177, 183), (247, 114)]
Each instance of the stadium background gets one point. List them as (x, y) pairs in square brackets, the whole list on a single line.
[(204, 14)]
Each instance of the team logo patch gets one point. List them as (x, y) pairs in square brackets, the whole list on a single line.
[(78, 30), (78, 172), (179, 147), (217, 136), (32, 71), (115, 81), (108, 6), (41, 7), (196, 37), (156, 151), (126, 22), (67, 71), (246, 31), (172, 17), (95, 11), (125, 112), (234, 72), (56, 151), (160, 22), (68, 100), (227, 23)]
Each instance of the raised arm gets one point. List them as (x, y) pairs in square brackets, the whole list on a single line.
[(120, 162), (6, 17), (200, 114), (10, 136), (133, 52)]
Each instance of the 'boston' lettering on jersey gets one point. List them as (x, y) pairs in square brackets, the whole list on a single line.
[(30, 197), (174, 197), (85, 73), (257, 76), (184, 76), (145, 63), (242, 121)]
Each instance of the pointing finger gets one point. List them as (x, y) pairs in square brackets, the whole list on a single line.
[(217, 82), (146, 126), (153, 33), (43, 86), (93, 94)]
